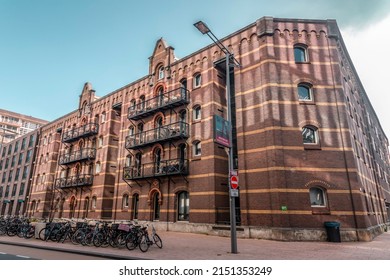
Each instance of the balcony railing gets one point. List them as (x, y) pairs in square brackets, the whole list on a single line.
[(163, 101), (161, 134), (80, 155), (162, 168), (74, 181), (79, 132)]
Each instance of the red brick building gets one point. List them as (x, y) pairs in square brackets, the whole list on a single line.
[(16, 168), (307, 143)]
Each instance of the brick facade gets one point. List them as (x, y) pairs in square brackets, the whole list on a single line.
[(146, 162)]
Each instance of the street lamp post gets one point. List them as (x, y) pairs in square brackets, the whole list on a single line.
[(203, 28)]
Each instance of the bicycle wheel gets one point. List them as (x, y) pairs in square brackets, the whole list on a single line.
[(20, 232), (104, 242), (87, 239), (42, 234), (120, 240), (131, 241), (157, 240), (98, 239), (2, 230), (30, 232), (77, 237), (12, 230), (53, 234), (144, 244)]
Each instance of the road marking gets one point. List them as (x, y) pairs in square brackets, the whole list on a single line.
[(20, 256)]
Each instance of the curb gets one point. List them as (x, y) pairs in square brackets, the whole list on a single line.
[(74, 251)]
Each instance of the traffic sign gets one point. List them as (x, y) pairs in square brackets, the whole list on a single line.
[(234, 192), (234, 182)]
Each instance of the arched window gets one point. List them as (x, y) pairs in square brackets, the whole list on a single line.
[(197, 113), (197, 80), (140, 132), (157, 161), (160, 93), (197, 148), (309, 135), (183, 89), (133, 104), (131, 131), (125, 201), (300, 53), (135, 206), (305, 92), (182, 152), (142, 103), (98, 167), (100, 141), (86, 207), (317, 196), (156, 206), (138, 165), (94, 202), (161, 72), (129, 161), (159, 132), (103, 117), (84, 108), (183, 203)]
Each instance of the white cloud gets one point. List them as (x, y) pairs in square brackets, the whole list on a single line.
[(369, 51)]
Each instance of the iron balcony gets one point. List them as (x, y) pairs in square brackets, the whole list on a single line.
[(166, 100), (81, 180), (158, 169), (86, 130), (178, 130), (80, 155)]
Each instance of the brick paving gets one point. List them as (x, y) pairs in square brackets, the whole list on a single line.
[(189, 246)]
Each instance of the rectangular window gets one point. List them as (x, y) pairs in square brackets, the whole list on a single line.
[(21, 190), (31, 142), (25, 172), (28, 157)]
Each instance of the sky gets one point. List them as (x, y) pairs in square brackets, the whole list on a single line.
[(50, 48)]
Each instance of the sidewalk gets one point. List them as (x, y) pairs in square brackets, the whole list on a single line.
[(189, 246)]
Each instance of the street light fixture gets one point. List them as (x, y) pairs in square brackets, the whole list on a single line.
[(203, 28)]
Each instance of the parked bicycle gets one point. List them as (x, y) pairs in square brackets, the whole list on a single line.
[(147, 241)]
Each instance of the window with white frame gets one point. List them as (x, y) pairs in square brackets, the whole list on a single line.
[(103, 117), (94, 202), (197, 80), (183, 203), (310, 135), (161, 72), (197, 148), (317, 197), (98, 168), (300, 53), (100, 141), (305, 92), (125, 201), (197, 113)]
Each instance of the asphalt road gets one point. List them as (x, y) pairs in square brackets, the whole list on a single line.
[(13, 252)]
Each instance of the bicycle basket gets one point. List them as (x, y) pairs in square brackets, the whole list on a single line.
[(124, 227)]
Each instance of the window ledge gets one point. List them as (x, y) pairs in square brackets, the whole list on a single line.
[(307, 102), (319, 210), (302, 62), (312, 146)]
